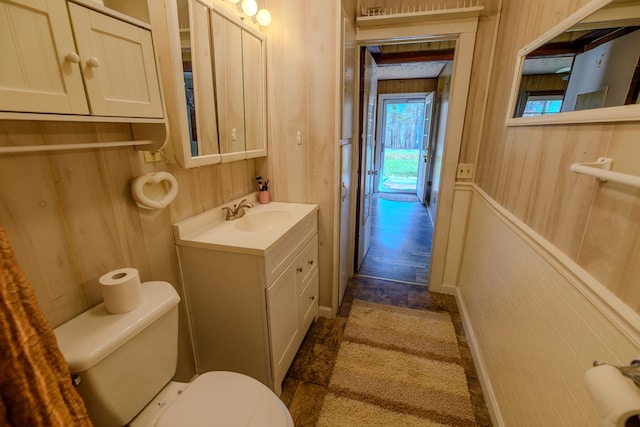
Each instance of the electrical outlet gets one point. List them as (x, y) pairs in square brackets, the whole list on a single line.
[(152, 156), (465, 170)]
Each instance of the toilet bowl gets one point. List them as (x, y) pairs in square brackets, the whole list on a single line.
[(123, 365), (220, 398)]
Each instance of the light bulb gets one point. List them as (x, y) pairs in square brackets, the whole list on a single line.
[(263, 17), (249, 7)]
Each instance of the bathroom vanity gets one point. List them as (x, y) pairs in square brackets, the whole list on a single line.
[(251, 287)]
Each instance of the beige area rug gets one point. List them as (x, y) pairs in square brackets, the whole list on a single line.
[(397, 367)]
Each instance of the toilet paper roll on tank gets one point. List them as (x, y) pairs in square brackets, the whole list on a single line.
[(616, 397), (121, 290)]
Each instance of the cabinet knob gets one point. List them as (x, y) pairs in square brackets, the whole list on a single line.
[(312, 298), (72, 57), (93, 62), (299, 269), (310, 262)]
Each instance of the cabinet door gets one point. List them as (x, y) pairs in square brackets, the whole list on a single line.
[(118, 65), (253, 63), (283, 322), (227, 52), (202, 71), (39, 70)]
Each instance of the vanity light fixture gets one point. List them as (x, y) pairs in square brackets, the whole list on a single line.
[(249, 7), (263, 17)]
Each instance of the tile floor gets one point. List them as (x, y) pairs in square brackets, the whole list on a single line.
[(306, 382)]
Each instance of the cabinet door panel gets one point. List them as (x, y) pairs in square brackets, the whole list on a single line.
[(283, 321), (123, 81), (202, 66), (35, 38), (227, 48), (254, 94)]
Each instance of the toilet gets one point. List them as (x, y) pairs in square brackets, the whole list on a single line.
[(122, 366)]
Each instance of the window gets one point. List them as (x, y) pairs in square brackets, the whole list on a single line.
[(538, 105)]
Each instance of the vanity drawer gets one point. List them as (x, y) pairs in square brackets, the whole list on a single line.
[(287, 249), (307, 262), (308, 301)]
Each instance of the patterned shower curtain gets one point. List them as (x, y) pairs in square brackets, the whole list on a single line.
[(35, 383)]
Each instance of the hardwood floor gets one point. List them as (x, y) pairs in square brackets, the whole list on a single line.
[(401, 234), (308, 377)]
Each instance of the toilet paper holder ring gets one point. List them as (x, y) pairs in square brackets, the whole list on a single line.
[(632, 371)]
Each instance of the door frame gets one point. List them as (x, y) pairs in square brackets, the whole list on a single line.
[(463, 30)]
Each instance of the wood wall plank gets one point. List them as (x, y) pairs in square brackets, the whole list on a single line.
[(407, 85)]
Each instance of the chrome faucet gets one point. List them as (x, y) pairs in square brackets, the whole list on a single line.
[(237, 211)]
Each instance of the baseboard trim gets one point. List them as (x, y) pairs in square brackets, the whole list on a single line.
[(324, 311), (448, 289), (478, 362)]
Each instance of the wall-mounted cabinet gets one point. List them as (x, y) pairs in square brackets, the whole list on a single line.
[(78, 61), (43, 69), (213, 67)]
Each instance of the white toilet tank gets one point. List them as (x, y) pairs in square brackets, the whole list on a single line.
[(123, 360)]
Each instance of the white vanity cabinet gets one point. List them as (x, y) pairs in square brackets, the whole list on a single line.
[(75, 58), (250, 296), (292, 304)]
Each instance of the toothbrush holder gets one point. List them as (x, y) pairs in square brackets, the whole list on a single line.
[(264, 197)]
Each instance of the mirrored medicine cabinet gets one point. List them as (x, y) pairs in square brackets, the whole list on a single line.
[(214, 80), (585, 69)]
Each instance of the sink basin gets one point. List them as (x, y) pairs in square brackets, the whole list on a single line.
[(255, 233), (263, 221)]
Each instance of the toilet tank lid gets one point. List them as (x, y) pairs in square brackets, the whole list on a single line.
[(89, 337)]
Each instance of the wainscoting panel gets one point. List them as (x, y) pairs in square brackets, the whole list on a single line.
[(532, 324)]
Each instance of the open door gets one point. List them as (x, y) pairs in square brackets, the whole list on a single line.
[(345, 218), (440, 123), (367, 170), (425, 151)]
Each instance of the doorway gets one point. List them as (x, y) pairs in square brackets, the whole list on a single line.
[(458, 25), (395, 234), (403, 143), (401, 225), (450, 106)]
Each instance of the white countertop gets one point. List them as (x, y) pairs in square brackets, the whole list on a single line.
[(209, 230)]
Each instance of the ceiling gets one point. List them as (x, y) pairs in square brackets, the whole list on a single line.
[(423, 60)]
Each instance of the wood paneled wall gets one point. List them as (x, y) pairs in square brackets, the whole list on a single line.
[(303, 55), (407, 85), (71, 218), (526, 169), (70, 215)]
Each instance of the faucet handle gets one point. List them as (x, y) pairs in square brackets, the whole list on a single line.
[(244, 204), (230, 212)]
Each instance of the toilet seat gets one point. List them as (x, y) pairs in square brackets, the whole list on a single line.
[(227, 399)]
